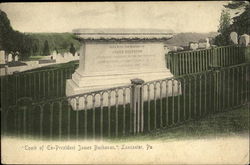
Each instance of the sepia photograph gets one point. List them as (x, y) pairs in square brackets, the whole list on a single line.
[(125, 82)]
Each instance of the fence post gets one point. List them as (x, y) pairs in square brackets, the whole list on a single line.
[(6, 69), (214, 57), (246, 51), (136, 104)]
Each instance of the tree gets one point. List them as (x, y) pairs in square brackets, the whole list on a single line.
[(223, 37), (6, 32), (224, 22), (240, 22), (11, 40), (72, 49), (46, 51), (56, 50)]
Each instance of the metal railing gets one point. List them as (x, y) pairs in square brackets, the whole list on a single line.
[(40, 84), (187, 62), (137, 108), (50, 83)]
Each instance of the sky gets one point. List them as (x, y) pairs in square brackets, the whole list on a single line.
[(178, 17)]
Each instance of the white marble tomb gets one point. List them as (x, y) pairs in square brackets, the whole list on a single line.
[(112, 57)]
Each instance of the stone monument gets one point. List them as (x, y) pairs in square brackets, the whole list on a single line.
[(244, 40), (54, 54), (112, 57), (234, 37), (10, 59), (2, 57), (193, 45), (16, 58)]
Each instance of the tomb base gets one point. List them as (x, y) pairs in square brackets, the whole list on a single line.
[(84, 83), (81, 85)]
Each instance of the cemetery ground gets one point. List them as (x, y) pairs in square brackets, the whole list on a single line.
[(234, 123), (197, 101), (31, 58), (50, 116), (55, 66)]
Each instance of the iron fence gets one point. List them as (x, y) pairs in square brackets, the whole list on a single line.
[(137, 108), (50, 83), (187, 62), (38, 85)]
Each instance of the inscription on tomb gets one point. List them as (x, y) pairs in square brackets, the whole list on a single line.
[(126, 57)]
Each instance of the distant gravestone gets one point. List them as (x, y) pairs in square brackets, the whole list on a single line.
[(59, 58), (70, 56), (244, 40), (174, 49), (203, 44), (234, 37), (194, 45), (16, 58), (65, 56), (180, 48), (207, 43), (166, 49), (2, 57), (54, 55), (10, 58)]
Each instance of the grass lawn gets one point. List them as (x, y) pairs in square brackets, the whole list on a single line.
[(200, 97), (226, 124), (55, 66), (31, 58)]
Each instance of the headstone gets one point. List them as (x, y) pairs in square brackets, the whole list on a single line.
[(244, 40), (59, 58), (2, 57), (180, 48), (110, 59), (10, 59), (193, 45), (207, 43), (16, 53), (16, 58), (174, 48), (76, 56), (54, 55), (166, 49), (70, 56), (234, 37), (67, 56)]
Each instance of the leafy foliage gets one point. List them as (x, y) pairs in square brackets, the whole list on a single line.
[(46, 51), (33, 44), (59, 42), (223, 37), (235, 4), (72, 49), (224, 21), (11, 40), (240, 23)]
